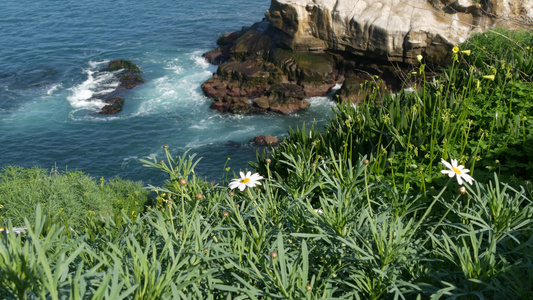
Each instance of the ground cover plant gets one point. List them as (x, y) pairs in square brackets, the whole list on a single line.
[(359, 210), (70, 198)]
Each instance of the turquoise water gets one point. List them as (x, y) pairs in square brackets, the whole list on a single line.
[(50, 52)]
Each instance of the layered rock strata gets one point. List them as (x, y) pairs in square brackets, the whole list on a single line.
[(391, 30)]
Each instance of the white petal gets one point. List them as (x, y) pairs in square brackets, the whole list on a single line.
[(242, 174), (459, 180), (256, 176), (242, 187), (248, 174), (448, 172), (468, 178), (250, 183), (446, 164), (234, 184), (454, 163)]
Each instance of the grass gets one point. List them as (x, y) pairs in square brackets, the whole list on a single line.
[(72, 199), (358, 210)]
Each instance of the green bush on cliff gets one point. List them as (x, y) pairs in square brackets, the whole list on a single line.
[(70, 199)]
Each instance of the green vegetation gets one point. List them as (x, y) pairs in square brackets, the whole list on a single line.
[(359, 210), (71, 199)]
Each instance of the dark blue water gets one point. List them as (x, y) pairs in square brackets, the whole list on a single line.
[(50, 52)]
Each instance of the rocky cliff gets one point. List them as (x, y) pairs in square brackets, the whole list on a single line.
[(304, 47), (391, 30)]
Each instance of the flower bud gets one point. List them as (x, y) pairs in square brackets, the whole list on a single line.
[(462, 190), (165, 146), (366, 161), (268, 160), (225, 214), (183, 181), (308, 287), (274, 254), (199, 196)]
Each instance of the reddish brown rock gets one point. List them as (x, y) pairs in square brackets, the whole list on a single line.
[(262, 140), (236, 105)]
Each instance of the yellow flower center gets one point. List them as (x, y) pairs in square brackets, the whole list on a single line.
[(457, 171), (245, 180)]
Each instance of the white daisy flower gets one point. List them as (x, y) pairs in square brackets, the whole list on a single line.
[(457, 170), (250, 180), (16, 230)]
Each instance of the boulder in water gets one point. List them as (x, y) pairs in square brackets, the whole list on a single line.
[(267, 140), (128, 73), (115, 105)]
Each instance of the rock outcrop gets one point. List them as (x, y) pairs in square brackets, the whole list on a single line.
[(391, 30), (305, 47)]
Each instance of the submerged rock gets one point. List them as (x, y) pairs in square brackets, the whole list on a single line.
[(115, 105), (129, 78), (130, 81), (124, 65)]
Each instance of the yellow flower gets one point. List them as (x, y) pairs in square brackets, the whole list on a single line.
[(489, 77), (528, 47), (455, 49), (419, 57), (467, 52)]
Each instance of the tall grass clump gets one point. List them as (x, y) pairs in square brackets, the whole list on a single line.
[(71, 199)]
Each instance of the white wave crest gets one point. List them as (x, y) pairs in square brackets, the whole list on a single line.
[(84, 95), (53, 88), (95, 64), (199, 60)]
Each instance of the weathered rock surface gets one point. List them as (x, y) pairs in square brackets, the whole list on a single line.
[(305, 47), (391, 30)]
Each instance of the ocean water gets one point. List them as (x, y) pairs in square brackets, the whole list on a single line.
[(50, 55)]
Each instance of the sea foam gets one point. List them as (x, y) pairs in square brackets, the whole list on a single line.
[(86, 94)]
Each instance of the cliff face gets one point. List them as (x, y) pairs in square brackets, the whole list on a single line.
[(391, 30), (305, 47)]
